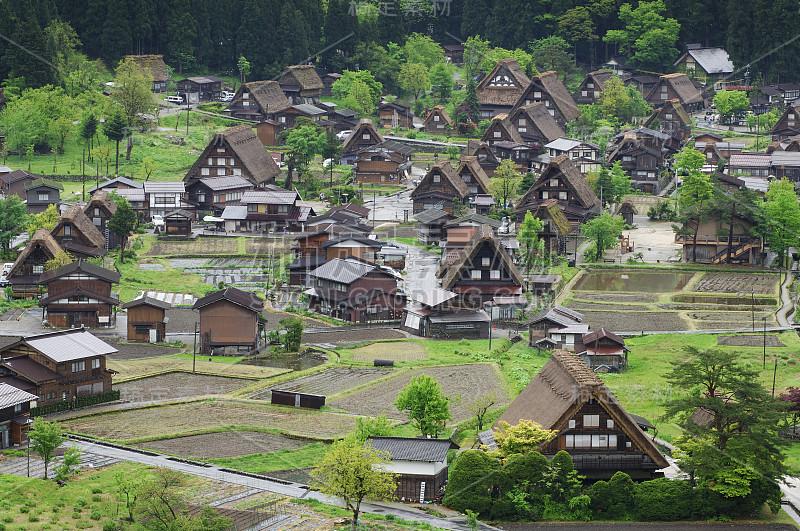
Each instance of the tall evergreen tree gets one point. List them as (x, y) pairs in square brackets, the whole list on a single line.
[(181, 28), (116, 40), (36, 69), (292, 35)]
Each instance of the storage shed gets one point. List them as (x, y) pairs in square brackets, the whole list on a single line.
[(147, 320)]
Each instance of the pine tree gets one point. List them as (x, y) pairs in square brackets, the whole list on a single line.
[(30, 37), (181, 28), (116, 38), (474, 17), (116, 128)]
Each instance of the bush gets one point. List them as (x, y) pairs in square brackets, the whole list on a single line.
[(662, 500), (110, 525), (468, 483), (95, 515), (614, 498), (64, 405)]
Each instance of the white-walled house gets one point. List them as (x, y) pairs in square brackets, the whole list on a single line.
[(416, 462), (165, 196)]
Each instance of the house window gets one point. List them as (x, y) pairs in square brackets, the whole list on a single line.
[(365, 136), (584, 93), (220, 150), (142, 330), (537, 94), (245, 104), (599, 441), (67, 230), (791, 116), (18, 408), (436, 118), (583, 441), (612, 441), (569, 441), (627, 444), (79, 366), (44, 196), (201, 198), (494, 274), (252, 207), (590, 85), (476, 274), (591, 421), (668, 116), (95, 363), (205, 171), (437, 178), (216, 198), (571, 423), (562, 196), (486, 261), (496, 134), (547, 103), (282, 119), (609, 423), (283, 209), (709, 154), (237, 171), (545, 195), (523, 122)]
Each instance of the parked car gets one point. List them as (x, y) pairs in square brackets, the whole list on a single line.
[(157, 220), (342, 135), (4, 275), (226, 96), (177, 100)]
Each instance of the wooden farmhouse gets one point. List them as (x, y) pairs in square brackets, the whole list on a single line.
[(420, 465), (430, 223), (787, 126), (585, 155), (310, 243), (99, 209), (118, 183), (535, 124), (438, 189), (347, 221), (213, 194), (601, 437), (395, 114), (178, 223), (301, 267), (387, 163), (288, 117), (301, 84), (556, 228), (147, 320), (501, 130), (267, 210), (454, 52), (42, 193), (15, 182), (165, 196), (626, 211), (643, 83), (604, 351), (591, 87), (550, 90), (79, 294), (229, 320), (500, 90), (15, 408), (473, 176), (153, 66), (200, 89), (352, 245), (59, 366), (234, 152), (483, 272), (641, 153), (437, 121), (706, 64), (328, 80), (258, 101), (677, 86), (561, 181), (76, 234), (486, 157), (716, 246), (355, 290), (364, 136), (673, 120), (29, 265), (437, 313), (458, 234), (557, 327)]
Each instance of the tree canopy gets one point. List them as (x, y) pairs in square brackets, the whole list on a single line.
[(426, 405), (648, 36), (604, 232)]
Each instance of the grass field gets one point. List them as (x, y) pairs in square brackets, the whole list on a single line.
[(307, 456), (139, 368), (133, 280)]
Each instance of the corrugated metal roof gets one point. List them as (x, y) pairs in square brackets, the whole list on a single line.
[(309, 109), (270, 197), (226, 183), (749, 160), (11, 396), (344, 271), (712, 60), (434, 296), (131, 194), (160, 187), (790, 158), (234, 212), (410, 449), (69, 345), (563, 144)]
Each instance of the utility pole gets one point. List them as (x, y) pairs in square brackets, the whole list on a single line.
[(187, 114), (765, 342), (774, 376), (194, 348)]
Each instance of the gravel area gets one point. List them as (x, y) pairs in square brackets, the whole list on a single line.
[(737, 283), (749, 341), (226, 444), (177, 385), (466, 380), (181, 320), (132, 351), (328, 382), (635, 321)]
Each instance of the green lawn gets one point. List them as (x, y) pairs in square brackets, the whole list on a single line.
[(415, 243), (133, 280), (307, 456), (216, 359)]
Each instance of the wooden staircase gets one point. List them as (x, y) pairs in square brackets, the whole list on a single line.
[(736, 251)]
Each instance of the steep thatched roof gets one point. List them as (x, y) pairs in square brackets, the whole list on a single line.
[(152, 65), (507, 92), (447, 173), (550, 209), (100, 198), (304, 76), (268, 96), (502, 122), (41, 238), (483, 236), (573, 178), (438, 110), (365, 125), (258, 166), (550, 83), (540, 118), (681, 84), (470, 164), (83, 224), (559, 391), (672, 106)]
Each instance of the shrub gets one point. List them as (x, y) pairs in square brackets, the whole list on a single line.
[(614, 498), (33, 518), (110, 525), (96, 490), (662, 500), (468, 482), (96, 498), (24, 509), (95, 515)]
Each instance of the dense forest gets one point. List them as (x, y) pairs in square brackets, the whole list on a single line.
[(201, 35)]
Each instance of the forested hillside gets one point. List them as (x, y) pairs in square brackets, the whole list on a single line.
[(212, 34)]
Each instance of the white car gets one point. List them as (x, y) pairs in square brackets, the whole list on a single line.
[(158, 220), (177, 100), (4, 276), (342, 135), (226, 96)]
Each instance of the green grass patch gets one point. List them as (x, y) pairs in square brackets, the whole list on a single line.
[(307, 456), (216, 359), (415, 243), (133, 280)]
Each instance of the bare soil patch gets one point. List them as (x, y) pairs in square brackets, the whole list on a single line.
[(200, 246), (634, 321), (465, 380), (133, 351), (177, 385), (616, 297), (749, 341), (139, 368), (328, 382), (390, 350), (737, 283), (203, 416), (226, 444)]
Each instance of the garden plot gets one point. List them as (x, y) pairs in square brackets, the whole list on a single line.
[(599, 306), (350, 337), (389, 350), (132, 351), (737, 283), (200, 246), (632, 321), (231, 275), (326, 383), (224, 444), (140, 368), (630, 298), (469, 381), (177, 385), (750, 341), (204, 416)]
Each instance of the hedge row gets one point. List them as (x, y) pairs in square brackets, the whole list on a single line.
[(75, 403)]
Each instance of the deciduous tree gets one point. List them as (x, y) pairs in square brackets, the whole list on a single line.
[(603, 231), (13, 220), (730, 103), (244, 68), (122, 223), (414, 78), (648, 37), (426, 405), (148, 167), (505, 181), (44, 220), (422, 49), (61, 258), (521, 438), (441, 79), (293, 327), (696, 189), (353, 471), (783, 216), (479, 407), (616, 101), (45, 437), (528, 234)]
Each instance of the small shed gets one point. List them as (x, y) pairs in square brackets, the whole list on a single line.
[(42, 193), (178, 223), (420, 464), (147, 320), (626, 210), (229, 318), (604, 351)]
